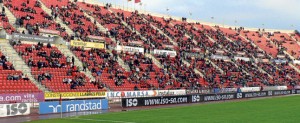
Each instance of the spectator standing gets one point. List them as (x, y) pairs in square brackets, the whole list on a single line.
[(84, 65), (68, 60), (73, 60)]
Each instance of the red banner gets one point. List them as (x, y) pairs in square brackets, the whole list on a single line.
[(96, 37), (169, 46), (136, 42), (48, 31), (197, 49), (137, 1)]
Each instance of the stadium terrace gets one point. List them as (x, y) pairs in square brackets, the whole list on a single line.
[(57, 52)]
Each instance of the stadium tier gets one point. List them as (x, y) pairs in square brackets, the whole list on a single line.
[(104, 68), (51, 68), (13, 81), (138, 51), (74, 17), (5, 23), (31, 16)]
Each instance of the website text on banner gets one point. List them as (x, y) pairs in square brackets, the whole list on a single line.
[(198, 98), (73, 106), (56, 95), (152, 101), (22, 98), (87, 44), (7, 110)]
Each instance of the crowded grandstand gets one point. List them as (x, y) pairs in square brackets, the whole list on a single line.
[(54, 47)]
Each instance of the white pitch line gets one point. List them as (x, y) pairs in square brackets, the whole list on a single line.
[(113, 121)]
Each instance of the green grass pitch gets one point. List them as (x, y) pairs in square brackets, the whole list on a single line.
[(271, 110)]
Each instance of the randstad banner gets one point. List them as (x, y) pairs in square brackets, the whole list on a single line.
[(87, 44), (73, 106), (56, 95)]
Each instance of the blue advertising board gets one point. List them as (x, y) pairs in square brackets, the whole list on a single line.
[(73, 106)]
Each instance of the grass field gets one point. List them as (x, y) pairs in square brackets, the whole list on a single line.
[(272, 110)]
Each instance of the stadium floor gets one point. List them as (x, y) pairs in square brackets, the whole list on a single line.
[(114, 108)]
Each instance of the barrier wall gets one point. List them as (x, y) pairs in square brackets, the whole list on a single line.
[(198, 98), (16, 109), (151, 101), (72, 95), (145, 93), (102, 104), (33, 38), (73, 106), (22, 98), (40, 97)]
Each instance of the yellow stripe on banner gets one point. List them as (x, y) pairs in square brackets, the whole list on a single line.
[(3, 40), (87, 44), (56, 95)]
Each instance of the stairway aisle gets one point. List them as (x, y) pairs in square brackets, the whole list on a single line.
[(18, 63)]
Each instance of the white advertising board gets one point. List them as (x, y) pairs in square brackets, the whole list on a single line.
[(15, 109)]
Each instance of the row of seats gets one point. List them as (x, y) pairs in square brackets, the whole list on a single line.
[(13, 81), (104, 68), (73, 16), (239, 44), (53, 67), (6, 25), (33, 16), (143, 70)]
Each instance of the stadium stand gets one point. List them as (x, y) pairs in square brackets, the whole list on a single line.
[(51, 68), (74, 17), (261, 42), (285, 41), (12, 81), (110, 20), (206, 56), (185, 76), (30, 15), (5, 23), (104, 67), (137, 22), (142, 70), (297, 36)]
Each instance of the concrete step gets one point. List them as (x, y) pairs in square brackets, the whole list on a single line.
[(58, 20), (215, 66), (195, 70), (12, 19), (132, 29), (120, 61), (101, 28), (286, 53), (67, 52), (18, 63), (155, 61), (293, 66), (161, 32)]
